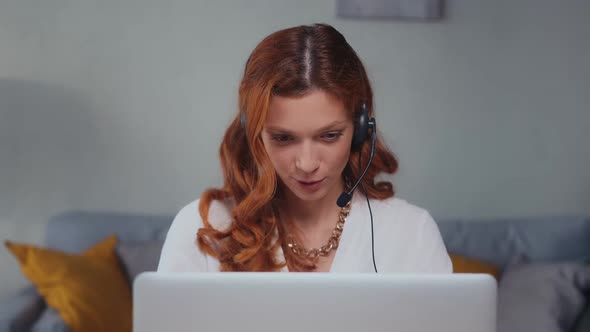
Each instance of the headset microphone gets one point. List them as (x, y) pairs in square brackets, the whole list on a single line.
[(345, 197)]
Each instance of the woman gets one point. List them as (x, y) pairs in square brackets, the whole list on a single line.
[(287, 157)]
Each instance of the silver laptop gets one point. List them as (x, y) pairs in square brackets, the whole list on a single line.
[(309, 302)]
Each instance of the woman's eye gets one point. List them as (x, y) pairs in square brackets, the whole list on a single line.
[(281, 138), (332, 136)]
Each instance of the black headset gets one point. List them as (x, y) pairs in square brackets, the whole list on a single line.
[(363, 124), (361, 127)]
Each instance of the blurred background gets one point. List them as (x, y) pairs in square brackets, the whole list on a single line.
[(121, 105)]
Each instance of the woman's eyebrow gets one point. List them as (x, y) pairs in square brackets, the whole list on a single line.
[(331, 125)]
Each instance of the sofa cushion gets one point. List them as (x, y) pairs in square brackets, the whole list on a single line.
[(542, 297), (463, 264), (89, 291)]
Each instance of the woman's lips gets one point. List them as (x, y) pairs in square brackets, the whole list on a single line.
[(310, 185)]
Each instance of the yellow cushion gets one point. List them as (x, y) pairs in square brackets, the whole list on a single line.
[(462, 264), (89, 291)]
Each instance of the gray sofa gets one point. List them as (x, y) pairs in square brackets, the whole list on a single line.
[(73, 232), (550, 251)]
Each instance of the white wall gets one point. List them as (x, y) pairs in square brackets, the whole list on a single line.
[(120, 105)]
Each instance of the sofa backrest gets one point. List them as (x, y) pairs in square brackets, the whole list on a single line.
[(75, 231), (544, 239)]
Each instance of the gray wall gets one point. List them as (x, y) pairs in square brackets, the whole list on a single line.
[(120, 105)]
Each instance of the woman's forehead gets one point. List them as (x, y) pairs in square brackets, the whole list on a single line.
[(310, 112)]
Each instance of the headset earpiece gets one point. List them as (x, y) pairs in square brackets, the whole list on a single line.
[(361, 127)]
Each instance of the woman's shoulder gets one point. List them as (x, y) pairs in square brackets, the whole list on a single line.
[(180, 252), (219, 214), (398, 215), (399, 208)]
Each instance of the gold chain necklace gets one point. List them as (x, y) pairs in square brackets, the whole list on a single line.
[(314, 253)]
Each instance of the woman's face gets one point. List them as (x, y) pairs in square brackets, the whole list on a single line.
[(308, 141)]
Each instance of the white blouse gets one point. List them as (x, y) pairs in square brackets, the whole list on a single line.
[(407, 239)]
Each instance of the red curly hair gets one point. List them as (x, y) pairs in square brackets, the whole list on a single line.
[(288, 63)]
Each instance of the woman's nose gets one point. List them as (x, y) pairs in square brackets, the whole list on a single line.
[(307, 159)]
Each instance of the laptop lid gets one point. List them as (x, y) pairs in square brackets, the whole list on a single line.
[(297, 302)]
